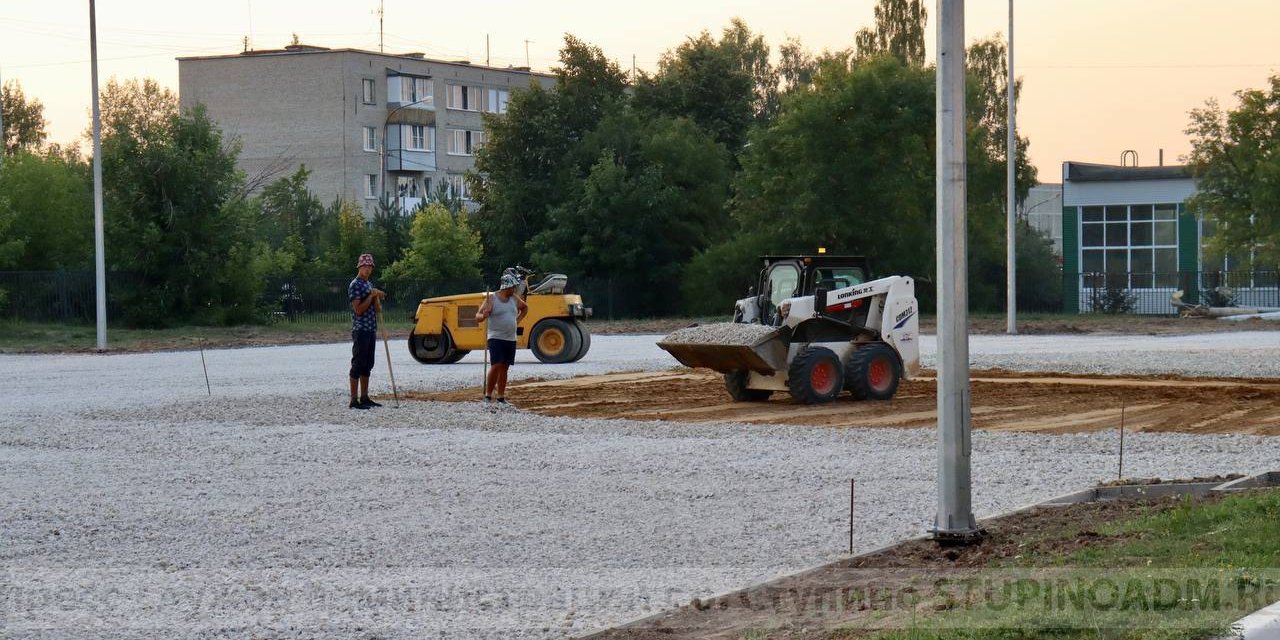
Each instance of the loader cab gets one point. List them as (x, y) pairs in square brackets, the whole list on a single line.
[(790, 276)]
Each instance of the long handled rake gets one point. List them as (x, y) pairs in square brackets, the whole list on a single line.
[(484, 382), (387, 346)]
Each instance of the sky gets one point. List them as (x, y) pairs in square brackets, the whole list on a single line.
[(1100, 76)]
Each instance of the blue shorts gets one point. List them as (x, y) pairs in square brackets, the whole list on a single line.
[(502, 351), (363, 346)]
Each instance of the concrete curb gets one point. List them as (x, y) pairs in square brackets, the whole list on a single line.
[(1263, 624)]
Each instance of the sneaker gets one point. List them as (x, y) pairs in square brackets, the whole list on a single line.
[(502, 401), (355, 404), (369, 403), (488, 399)]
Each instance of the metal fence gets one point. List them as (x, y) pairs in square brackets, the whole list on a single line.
[(68, 296)]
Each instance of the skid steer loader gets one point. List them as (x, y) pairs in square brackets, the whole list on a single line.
[(823, 328)]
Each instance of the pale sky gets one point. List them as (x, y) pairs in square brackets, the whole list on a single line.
[(1100, 76)]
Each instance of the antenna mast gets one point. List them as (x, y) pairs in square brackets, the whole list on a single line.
[(380, 14)]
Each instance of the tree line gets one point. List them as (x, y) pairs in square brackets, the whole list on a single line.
[(667, 185)]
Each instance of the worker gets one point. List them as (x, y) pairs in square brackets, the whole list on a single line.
[(504, 310), (365, 302)]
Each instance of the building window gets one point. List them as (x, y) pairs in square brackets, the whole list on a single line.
[(497, 102), (464, 97), (367, 84), (419, 137), (406, 187), (370, 139), (465, 143), (1130, 246), (457, 185), (371, 186)]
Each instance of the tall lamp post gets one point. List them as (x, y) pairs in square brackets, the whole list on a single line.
[(99, 250), (955, 522), (1011, 155)]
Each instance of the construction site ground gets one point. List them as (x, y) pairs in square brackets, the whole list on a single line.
[(1001, 400)]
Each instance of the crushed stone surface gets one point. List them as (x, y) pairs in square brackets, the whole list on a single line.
[(728, 333), (135, 505)]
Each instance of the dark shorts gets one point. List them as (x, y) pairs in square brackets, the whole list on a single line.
[(363, 346), (502, 351)]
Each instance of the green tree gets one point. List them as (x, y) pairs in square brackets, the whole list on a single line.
[(24, 123), (899, 30), (290, 209), (442, 247), (524, 156), (651, 198), (178, 218), (389, 233), (796, 66), (50, 195), (1235, 156), (849, 165), (723, 86), (11, 246)]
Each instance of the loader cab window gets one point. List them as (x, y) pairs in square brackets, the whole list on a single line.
[(832, 278), (783, 279)]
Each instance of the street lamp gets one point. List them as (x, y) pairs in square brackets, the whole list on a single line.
[(386, 124)]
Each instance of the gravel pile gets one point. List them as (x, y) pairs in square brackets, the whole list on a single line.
[(732, 333), (134, 505)]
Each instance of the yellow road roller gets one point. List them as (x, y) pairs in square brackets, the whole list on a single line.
[(445, 328)]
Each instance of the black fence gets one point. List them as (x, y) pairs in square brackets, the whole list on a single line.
[(69, 296)]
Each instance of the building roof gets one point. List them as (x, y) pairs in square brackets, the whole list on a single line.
[(1087, 172), (305, 49)]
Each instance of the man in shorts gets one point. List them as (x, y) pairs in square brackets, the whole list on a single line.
[(504, 310), (365, 302)]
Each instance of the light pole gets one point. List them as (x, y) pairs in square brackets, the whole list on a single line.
[(386, 124), (1011, 155), (954, 523), (99, 250)]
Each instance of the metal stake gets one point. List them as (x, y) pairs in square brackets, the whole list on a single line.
[(1120, 474), (850, 516), (205, 367)]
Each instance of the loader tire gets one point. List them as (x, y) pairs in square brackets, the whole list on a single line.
[(430, 349), (554, 341), (584, 340), (815, 376), (873, 372), (736, 383)]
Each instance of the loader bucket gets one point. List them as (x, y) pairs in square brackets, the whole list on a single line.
[(766, 355)]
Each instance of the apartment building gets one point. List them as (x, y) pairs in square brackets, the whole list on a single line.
[(366, 124)]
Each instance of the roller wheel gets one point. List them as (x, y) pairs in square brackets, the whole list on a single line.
[(454, 356), (736, 383), (815, 376), (873, 372), (430, 349), (554, 341), (584, 340)]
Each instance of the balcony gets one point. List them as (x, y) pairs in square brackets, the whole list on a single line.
[(409, 160), (407, 204)]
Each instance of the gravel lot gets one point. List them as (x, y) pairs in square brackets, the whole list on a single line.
[(136, 506)]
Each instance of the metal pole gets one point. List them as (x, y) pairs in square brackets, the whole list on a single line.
[(99, 250), (4, 139), (1011, 156), (955, 522)]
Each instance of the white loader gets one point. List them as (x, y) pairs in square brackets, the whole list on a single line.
[(799, 336)]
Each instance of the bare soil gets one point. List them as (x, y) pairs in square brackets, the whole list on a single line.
[(863, 594), (1001, 400)]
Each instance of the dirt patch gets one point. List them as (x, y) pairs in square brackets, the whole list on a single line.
[(855, 594), (995, 325), (1001, 400)]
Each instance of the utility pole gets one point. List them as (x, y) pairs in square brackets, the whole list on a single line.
[(633, 68), (955, 523), (526, 55), (380, 14), (4, 139), (99, 249), (486, 49), (1011, 155)]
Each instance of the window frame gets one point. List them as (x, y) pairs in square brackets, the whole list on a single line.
[(370, 139), (370, 186), (368, 91)]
